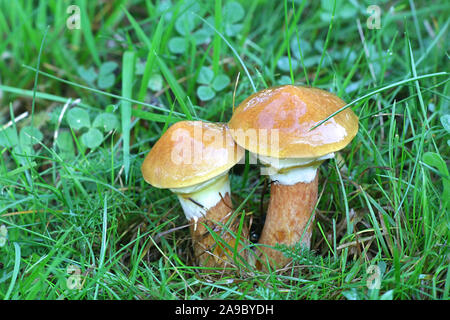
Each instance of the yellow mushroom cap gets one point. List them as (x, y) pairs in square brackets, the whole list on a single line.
[(190, 152), (293, 111)]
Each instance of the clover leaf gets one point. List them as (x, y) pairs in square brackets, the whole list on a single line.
[(445, 120), (177, 45), (205, 93), (106, 121), (88, 75), (78, 118), (296, 45), (311, 55), (210, 84), (155, 83), (205, 76), (283, 63), (187, 25), (435, 160), (105, 76), (30, 135), (8, 137), (233, 12), (92, 136), (22, 144), (220, 82)]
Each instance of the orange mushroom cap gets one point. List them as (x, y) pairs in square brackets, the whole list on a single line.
[(190, 152), (292, 111)]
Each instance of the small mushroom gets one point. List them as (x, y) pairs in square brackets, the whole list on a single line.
[(275, 125), (192, 159)]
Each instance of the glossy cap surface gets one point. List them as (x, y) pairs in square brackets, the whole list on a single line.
[(190, 152), (292, 111)]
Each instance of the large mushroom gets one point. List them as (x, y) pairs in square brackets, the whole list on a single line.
[(275, 125), (192, 159)]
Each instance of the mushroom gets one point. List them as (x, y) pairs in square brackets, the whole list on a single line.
[(275, 126), (192, 159)]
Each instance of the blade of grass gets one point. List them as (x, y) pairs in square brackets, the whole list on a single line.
[(374, 221), (153, 47), (37, 74), (288, 43), (416, 83), (217, 43), (344, 194), (103, 247), (298, 42), (87, 32), (283, 44), (17, 254), (246, 169), (326, 44), (155, 117), (22, 160), (433, 43), (26, 19), (447, 284), (179, 93), (129, 59), (416, 24)]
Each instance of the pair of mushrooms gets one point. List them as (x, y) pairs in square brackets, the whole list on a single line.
[(193, 158)]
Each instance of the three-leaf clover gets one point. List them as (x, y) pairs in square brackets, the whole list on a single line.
[(186, 25), (232, 13), (210, 83), (23, 143), (79, 119), (105, 76), (155, 83)]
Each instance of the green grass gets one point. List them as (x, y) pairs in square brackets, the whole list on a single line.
[(87, 226)]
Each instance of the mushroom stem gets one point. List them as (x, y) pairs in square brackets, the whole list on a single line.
[(209, 204), (207, 251), (288, 215)]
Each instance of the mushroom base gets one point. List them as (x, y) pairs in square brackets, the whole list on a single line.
[(207, 251), (288, 215)]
